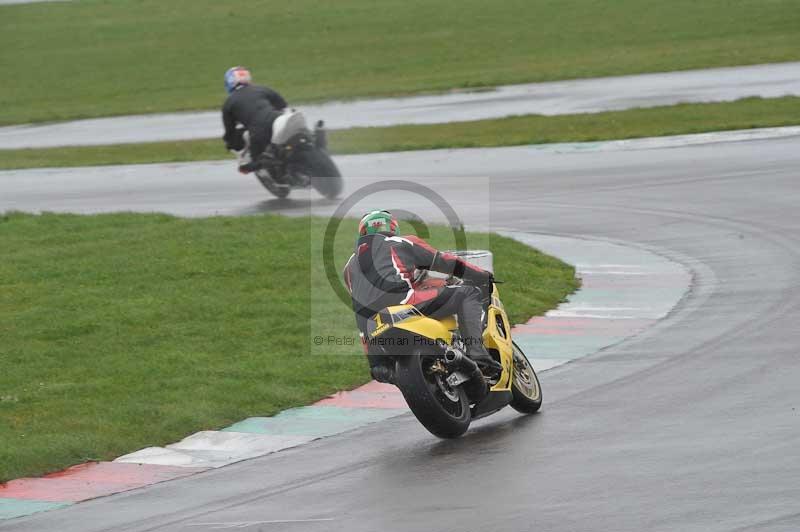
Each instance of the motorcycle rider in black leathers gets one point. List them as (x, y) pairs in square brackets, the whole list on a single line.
[(255, 107), (380, 274)]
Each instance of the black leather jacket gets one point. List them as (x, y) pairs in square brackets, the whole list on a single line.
[(381, 271), (250, 105)]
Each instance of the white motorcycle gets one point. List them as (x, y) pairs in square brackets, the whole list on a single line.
[(296, 158)]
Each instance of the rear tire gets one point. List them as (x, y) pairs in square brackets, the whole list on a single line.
[(444, 411), (325, 176), (526, 392)]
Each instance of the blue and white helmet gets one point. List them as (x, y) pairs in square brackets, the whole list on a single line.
[(236, 76)]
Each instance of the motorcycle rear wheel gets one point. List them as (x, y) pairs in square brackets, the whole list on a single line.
[(441, 409), (526, 392), (325, 176)]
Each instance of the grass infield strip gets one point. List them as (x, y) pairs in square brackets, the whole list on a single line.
[(522, 130), (99, 58), (123, 331)]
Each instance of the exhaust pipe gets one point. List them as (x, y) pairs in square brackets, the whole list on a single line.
[(320, 136), (477, 387), (460, 361)]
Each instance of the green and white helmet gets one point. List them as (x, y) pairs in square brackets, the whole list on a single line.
[(378, 222)]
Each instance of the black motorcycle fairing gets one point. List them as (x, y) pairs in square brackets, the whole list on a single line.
[(491, 404), (297, 143)]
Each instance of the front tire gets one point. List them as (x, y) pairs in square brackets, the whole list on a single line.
[(526, 392), (443, 410), (325, 176), (268, 183)]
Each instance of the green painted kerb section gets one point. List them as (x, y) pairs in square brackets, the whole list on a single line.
[(563, 346), (10, 508), (314, 421)]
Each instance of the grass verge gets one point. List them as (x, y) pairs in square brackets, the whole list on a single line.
[(124, 331), (99, 58), (521, 130)]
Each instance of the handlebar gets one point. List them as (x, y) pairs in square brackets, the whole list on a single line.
[(480, 283)]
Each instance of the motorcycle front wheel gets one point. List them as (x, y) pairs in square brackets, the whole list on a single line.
[(268, 183), (526, 392), (441, 409)]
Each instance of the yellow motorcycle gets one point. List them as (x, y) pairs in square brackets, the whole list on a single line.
[(442, 386)]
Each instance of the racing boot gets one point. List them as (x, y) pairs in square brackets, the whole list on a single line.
[(262, 161), (381, 367), (488, 366), (383, 374), (470, 321), (252, 166)]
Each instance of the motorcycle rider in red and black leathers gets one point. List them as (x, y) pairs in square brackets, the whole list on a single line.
[(253, 106), (381, 271)]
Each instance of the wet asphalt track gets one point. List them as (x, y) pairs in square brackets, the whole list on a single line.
[(692, 426), (551, 98)]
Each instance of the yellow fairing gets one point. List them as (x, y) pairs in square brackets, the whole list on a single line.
[(498, 336), (424, 326)]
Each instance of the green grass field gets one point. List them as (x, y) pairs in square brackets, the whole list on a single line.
[(522, 130), (124, 331), (98, 58)]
